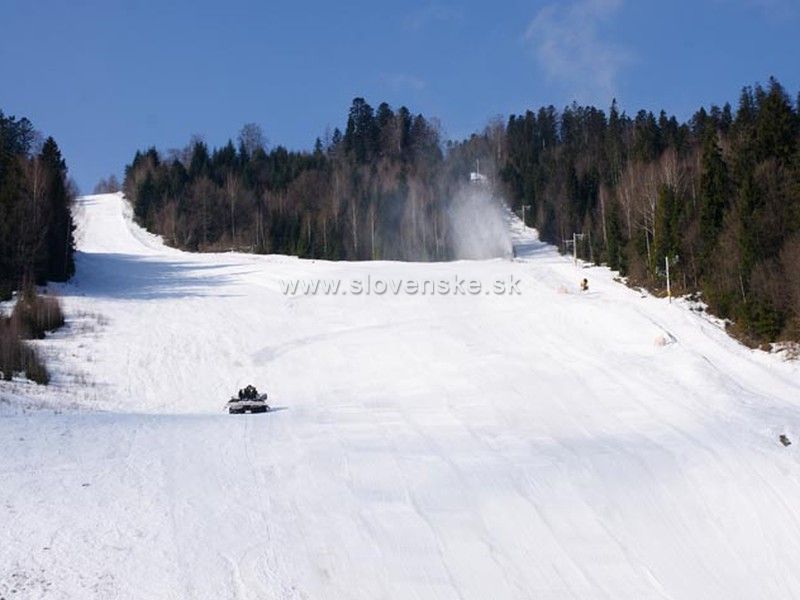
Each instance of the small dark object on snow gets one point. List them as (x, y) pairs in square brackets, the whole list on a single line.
[(248, 401), (785, 440), (585, 285)]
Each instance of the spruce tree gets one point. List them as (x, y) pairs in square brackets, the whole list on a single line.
[(776, 125), (666, 237), (615, 251), (360, 138), (713, 190), (60, 245), (200, 162)]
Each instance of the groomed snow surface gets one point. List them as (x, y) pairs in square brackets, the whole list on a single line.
[(551, 444)]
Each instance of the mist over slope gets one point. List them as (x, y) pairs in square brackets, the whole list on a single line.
[(547, 444), (478, 225)]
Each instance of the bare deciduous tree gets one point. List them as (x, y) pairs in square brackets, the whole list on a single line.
[(252, 138)]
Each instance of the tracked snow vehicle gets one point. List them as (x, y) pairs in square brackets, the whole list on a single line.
[(248, 401)]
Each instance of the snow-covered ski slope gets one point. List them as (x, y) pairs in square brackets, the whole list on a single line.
[(542, 445)]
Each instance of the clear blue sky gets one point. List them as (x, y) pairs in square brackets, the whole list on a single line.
[(105, 78)]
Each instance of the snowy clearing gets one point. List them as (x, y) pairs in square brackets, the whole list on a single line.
[(551, 444)]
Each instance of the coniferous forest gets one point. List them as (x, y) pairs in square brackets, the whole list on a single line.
[(718, 196), (36, 242), (36, 228)]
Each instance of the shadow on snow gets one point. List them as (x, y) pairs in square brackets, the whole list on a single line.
[(131, 276)]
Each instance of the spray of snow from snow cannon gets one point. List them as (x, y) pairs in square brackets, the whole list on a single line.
[(478, 225)]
